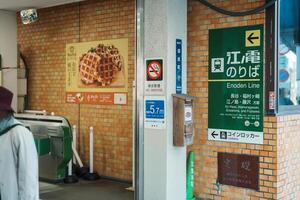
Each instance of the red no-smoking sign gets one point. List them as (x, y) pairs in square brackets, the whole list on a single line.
[(154, 70)]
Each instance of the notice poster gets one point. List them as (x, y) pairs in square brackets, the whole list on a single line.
[(236, 73), (97, 72)]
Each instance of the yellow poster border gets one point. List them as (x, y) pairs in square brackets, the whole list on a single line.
[(73, 53)]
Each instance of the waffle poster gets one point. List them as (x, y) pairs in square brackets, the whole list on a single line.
[(97, 72)]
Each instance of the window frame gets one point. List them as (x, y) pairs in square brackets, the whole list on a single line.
[(271, 104), (272, 22), (282, 109)]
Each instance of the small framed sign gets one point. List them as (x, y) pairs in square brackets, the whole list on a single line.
[(238, 170), (154, 82)]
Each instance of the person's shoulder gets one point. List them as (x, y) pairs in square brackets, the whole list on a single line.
[(20, 134), (20, 126), (20, 129)]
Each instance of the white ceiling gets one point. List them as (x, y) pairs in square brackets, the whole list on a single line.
[(17, 5)]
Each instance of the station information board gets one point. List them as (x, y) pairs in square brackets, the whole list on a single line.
[(236, 73)]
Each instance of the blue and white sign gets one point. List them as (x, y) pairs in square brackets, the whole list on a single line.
[(178, 66), (155, 109), (155, 113)]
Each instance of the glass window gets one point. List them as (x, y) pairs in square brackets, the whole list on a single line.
[(289, 54)]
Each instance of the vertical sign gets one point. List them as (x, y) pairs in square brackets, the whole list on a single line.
[(178, 66), (235, 110)]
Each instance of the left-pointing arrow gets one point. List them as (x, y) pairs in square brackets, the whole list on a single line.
[(250, 38), (213, 134)]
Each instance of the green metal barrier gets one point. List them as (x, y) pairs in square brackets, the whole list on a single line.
[(42, 145), (190, 176)]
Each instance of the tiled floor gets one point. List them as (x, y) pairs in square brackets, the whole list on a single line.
[(99, 190)]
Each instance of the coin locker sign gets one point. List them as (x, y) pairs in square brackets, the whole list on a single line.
[(235, 108)]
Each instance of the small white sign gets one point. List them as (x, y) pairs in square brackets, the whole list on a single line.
[(120, 98), (217, 65), (249, 137), (188, 114), (155, 112)]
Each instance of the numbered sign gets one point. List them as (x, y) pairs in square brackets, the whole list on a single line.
[(155, 112), (155, 109)]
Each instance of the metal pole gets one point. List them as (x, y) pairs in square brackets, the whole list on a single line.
[(70, 168), (91, 149), (139, 106), (77, 157), (74, 144), (91, 176), (70, 178)]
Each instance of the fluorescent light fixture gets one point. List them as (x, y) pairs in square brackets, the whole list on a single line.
[(29, 16)]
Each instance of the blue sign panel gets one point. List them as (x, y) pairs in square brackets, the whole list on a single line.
[(155, 109), (178, 66), (283, 75)]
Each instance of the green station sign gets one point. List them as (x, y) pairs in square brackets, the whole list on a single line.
[(235, 77)]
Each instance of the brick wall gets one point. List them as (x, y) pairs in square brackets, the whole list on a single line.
[(288, 157), (200, 20), (43, 44)]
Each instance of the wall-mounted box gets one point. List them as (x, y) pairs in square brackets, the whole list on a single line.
[(183, 126)]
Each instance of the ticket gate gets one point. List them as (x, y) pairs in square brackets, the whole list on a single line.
[(53, 139)]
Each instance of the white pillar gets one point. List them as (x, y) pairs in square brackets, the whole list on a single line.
[(8, 51), (165, 165)]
